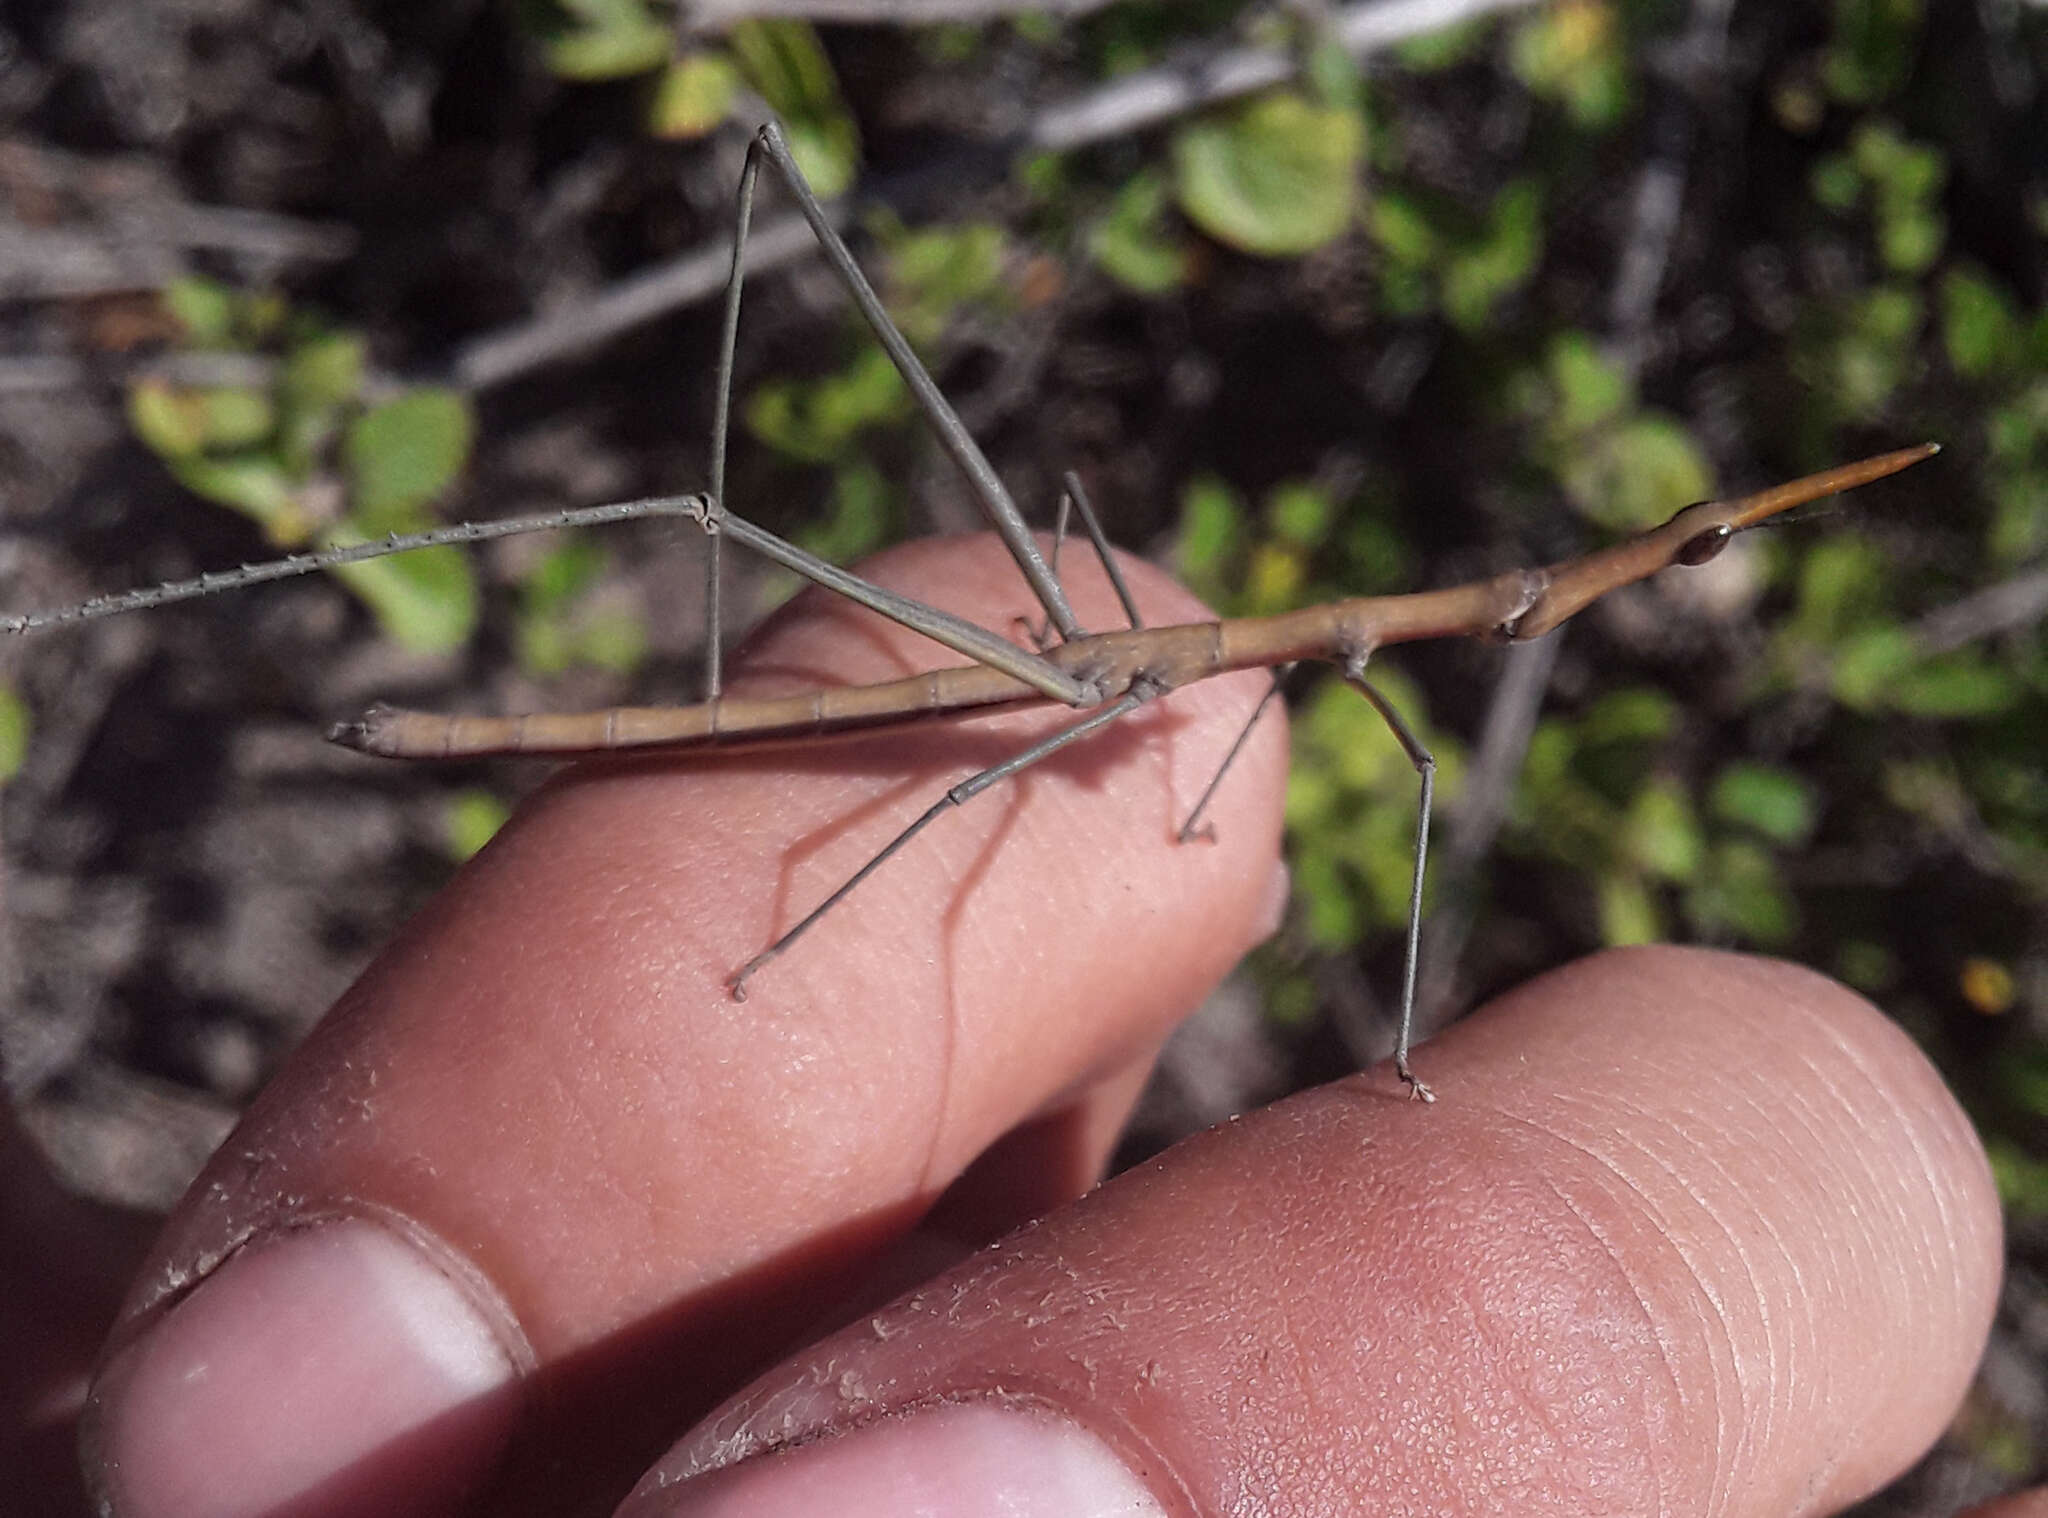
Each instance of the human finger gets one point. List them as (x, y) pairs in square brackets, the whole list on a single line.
[(1687, 1232), (538, 1166)]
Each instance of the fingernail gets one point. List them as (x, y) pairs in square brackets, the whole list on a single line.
[(334, 1369), (960, 1460)]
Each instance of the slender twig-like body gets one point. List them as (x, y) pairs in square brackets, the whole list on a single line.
[(1518, 605), (1104, 676)]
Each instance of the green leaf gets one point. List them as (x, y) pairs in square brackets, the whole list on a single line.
[(14, 732), (1312, 800), (2019, 523), (1273, 580), (1341, 735), (589, 57), (1044, 176), (1979, 325), (611, 39), (1444, 48), (933, 271), (204, 308), (170, 421), (1774, 802), (1638, 714), (1868, 664), (425, 600), (1856, 356), (828, 152), (2017, 431), (1277, 176), (322, 376), (1889, 314), (1333, 76), (693, 96), (1661, 833), (785, 62), (1484, 273), (473, 817), (1929, 790), (324, 372), (561, 575), (1300, 514), (402, 454), (235, 417), (1909, 243), (861, 519), (260, 317), (1212, 534), (1913, 173), (1954, 686), (1404, 293), (558, 629), (1835, 182), (1841, 584), (1635, 475), (253, 484), (1332, 919), (1134, 245), (2022, 1182), (1036, 29), (1572, 52), (612, 638), (1590, 390), (1628, 913), (815, 420), (951, 44), (1876, 147), (1744, 894), (1870, 967), (1401, 226), (1377, 560)]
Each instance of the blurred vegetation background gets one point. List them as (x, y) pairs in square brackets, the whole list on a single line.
[(1321, 299)]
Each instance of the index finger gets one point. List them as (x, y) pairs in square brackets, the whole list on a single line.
[(538, 1165)]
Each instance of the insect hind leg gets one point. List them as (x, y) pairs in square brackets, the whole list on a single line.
[(1425, 766)]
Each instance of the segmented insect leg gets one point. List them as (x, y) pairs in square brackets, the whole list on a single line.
[(1425, 766), (965, 791)]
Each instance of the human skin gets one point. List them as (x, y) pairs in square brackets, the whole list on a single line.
[(1685, 1230)]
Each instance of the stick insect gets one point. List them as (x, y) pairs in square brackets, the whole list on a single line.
[(1102, 676)]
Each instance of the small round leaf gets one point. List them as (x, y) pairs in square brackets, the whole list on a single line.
[(1277, 177)]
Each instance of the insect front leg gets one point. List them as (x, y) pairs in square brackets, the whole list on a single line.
[(945, 423)]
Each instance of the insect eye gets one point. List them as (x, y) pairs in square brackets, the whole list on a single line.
[(1702, 548)]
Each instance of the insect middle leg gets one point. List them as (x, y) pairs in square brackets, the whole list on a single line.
[(1194, 827), (1074, 499)]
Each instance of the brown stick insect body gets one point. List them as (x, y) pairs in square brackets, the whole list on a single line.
[(1515, 606), (1103, 675)]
